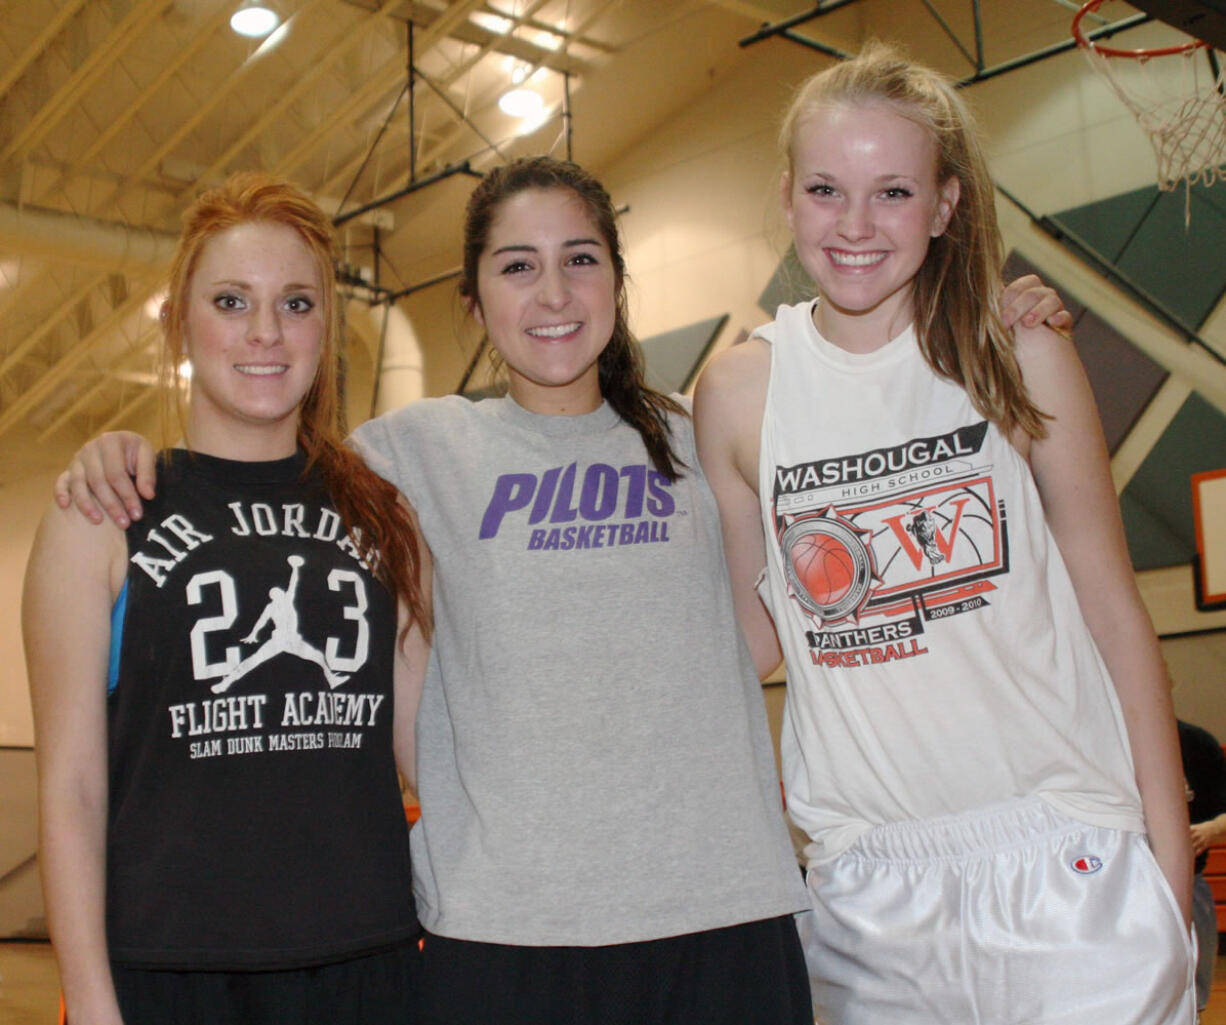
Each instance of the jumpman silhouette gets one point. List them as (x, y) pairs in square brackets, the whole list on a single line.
[(285, 637)]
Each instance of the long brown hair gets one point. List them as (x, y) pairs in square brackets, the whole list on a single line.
[(620, 367), (371, 509), (957, 289)]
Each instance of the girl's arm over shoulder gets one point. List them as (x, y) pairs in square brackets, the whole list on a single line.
[(1073, 473), (110, 473), (728, 406), (74, 574)]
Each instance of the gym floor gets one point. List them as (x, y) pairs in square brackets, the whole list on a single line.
[(29, 993)]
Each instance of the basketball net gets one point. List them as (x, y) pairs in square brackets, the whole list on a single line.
[(1181, 107), (1178, 97)]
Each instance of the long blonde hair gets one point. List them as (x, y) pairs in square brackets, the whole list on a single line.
[(368, 505), (957, 288)]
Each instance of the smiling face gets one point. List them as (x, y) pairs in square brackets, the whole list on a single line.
[(547, 297), (863, 202), (253, 330)]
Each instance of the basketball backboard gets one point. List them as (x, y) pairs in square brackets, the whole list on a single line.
[(1202, 19)]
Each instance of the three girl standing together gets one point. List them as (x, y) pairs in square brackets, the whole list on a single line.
[(598, 807)]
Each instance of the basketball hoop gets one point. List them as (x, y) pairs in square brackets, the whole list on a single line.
[(1180, 102)]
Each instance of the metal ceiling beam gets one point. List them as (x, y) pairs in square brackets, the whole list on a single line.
[(784, 29), (355, 164), (66, 98), (420, 183), (983, 74), (117, 419), (64, 311), (423, 15), (448, 141), (456, 14), (129, 363), (271, 112), (974, 60), (39, 44), (377, 84), (332, 53), (521, 50), (172, 67), (81, 350)]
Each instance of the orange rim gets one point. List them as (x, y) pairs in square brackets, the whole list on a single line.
[(1109, 51)]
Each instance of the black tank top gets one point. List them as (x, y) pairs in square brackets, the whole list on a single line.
[(255, 814)]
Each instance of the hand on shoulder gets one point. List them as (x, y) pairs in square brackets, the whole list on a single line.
[(110, 474)]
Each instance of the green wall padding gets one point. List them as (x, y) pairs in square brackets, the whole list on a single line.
[(789, 284), (1157, 503), (673, 356), (1144, 234)]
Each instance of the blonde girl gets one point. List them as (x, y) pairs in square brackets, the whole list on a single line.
[(978, 739)]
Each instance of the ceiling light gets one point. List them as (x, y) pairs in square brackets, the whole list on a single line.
[(254, 19), (547, 40), (495, 23), (522, 103)]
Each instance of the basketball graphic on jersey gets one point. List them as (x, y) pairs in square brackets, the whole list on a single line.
[(824, 566), (829, 565)]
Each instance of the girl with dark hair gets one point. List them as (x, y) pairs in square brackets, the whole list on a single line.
[(222, 834), (601, 838), (978, 739)]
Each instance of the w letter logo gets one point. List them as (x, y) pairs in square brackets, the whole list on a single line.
[(919, 533)]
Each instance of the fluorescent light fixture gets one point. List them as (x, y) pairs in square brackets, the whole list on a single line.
[(547, 40), (522, 103), (254, 19), (495, 23)]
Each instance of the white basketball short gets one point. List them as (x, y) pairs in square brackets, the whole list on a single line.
[(1009, 915)]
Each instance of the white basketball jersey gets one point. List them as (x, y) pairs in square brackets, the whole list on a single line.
[(937, 658)]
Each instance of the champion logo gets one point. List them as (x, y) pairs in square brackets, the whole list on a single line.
[(1087, 864)]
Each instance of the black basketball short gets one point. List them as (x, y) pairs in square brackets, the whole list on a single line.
[(374, 989), (751, 974)]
